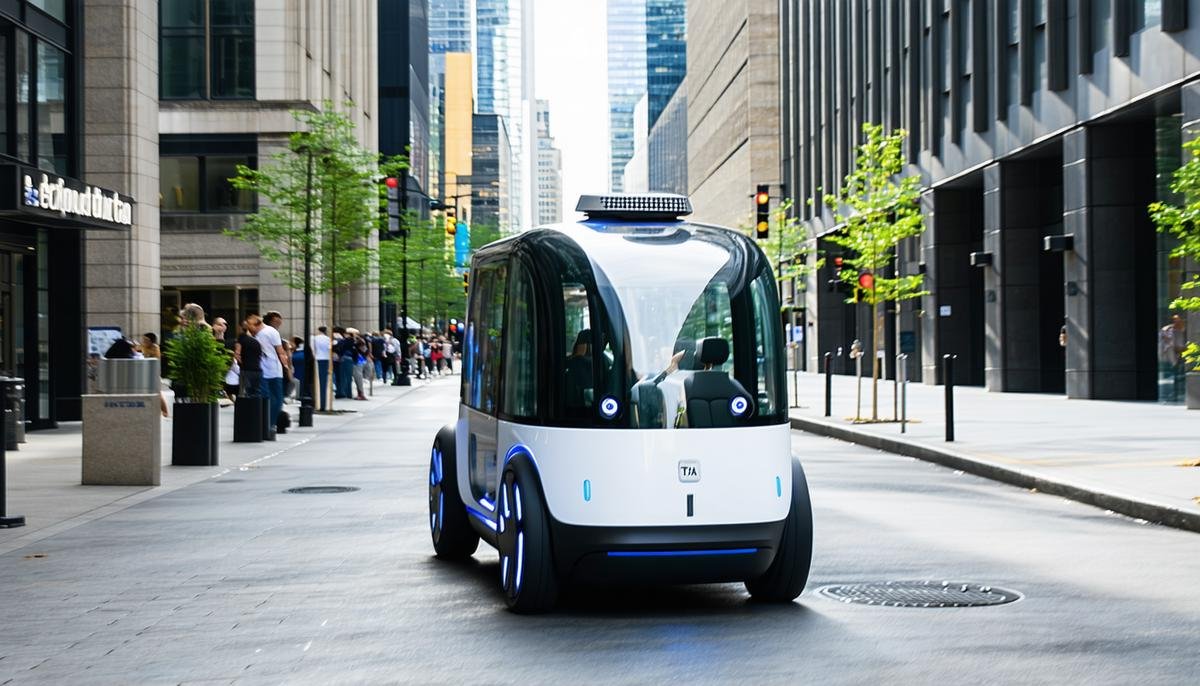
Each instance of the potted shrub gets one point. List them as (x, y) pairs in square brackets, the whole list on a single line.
[(196, 366)]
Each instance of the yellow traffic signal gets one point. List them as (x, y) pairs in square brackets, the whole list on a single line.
[(762, 211), (451, 225), (466, 282)]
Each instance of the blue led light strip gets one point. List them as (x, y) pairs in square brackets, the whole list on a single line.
[(482, 517), (680, 553)]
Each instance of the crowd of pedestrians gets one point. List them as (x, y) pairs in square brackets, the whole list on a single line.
[(263, 363)]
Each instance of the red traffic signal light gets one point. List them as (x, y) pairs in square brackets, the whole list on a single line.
[(866, 281), (392, 182), (837, 262)]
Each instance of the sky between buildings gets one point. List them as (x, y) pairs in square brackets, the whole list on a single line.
[(571, 72)]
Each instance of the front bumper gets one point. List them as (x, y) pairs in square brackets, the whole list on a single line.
[(664, 554)]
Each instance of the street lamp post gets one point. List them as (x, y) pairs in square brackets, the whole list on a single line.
[(310, 365)]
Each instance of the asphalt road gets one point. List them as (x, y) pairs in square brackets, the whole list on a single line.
[(233, 581)]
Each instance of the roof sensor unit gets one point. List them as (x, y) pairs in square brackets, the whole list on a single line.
[(655, 206)]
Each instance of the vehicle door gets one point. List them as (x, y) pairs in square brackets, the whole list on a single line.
[(482, 387)]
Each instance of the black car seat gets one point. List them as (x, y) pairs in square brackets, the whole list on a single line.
[(578, 372), (709, 391)]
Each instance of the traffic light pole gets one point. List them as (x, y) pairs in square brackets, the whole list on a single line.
[(310, 363), (403, 379)]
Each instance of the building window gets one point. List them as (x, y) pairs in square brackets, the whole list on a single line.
[(201, 184), (55, 8), (52, 145), (206, 49)]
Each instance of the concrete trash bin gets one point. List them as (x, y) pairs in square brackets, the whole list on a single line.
[(122, 425)]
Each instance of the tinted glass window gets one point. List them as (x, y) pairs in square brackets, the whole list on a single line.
[(52, 108), (179, 184), (221, 195), (767, 363), (520, 347), (23, 76), (491, 340), (207, 49), (55, 8)]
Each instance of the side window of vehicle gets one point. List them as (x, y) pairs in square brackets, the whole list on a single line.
[(520, 347), (471, 369), (766, 359), (580, 392), (491, 336)]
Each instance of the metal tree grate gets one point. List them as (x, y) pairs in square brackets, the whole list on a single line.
[(313, 490), (920, 594)]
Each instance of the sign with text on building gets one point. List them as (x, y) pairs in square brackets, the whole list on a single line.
[(41, 196)]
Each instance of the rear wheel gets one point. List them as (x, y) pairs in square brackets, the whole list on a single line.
[(453, 537), (526, 563), (784, 580)]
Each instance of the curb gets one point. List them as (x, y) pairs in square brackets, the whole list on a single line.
[(1152, 512)]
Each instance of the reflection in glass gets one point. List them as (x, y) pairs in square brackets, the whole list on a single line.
[(55, 8), (179, 184), (52, 108), (221, 195), (23, 76), (182, 67)]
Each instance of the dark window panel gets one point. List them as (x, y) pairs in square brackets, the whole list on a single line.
[(231, 13), (914, 79), (979, 65), (4, 140), (233, 67), (959, 79), (1025, 49), (1083, 27), (895, 68), (1174, 15), (220, 194), (878, 46), (182, 67), (24, 74), (52, 108), (1056, 45), (55, 8), (181, 14), (179, 184), (1122, 18), (1000, 50)]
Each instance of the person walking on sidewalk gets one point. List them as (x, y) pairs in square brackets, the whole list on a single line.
[(274, 362), (247, 355), (343, 352), (448, 356), (321, 347), (362, 358)]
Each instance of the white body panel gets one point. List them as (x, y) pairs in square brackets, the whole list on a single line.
[(634, 479)]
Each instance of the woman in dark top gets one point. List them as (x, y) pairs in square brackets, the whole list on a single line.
[(248, 353)]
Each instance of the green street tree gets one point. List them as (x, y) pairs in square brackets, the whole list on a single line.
[(877, 208), (326, 172), (788, 247), (1182, 221)]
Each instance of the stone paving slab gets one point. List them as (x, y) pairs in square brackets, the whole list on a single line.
[(1126, 457)]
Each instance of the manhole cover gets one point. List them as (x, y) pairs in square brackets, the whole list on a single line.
[(310, 490), (920, 594)]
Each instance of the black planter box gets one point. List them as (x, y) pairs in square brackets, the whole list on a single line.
[(194, 436), (248, 420)]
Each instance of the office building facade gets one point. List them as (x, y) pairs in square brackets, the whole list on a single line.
[(230, 75), (626, 81), (491, 197), (732, 106), (549, 170), (667, 146), (1041, 130), (666, 53)]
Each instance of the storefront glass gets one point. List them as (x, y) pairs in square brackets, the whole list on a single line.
[(1172, 324)]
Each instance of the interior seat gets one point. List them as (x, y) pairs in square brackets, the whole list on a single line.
[(709, 391)]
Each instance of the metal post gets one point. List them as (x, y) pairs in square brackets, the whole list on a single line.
[(828, 383), (948, 382), (402, 379), (896, 390), (856, 354), (310, 362), (7, 521), (903, 393)]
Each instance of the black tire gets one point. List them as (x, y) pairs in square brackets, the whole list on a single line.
[(526, 561), (453, 537), (784, 580)]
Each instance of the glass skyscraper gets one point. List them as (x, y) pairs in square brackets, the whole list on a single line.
[(666, 52), (626, 80), (449, 32), (504, 80)]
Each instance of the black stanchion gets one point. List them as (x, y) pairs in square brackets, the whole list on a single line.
[(828, 384), (7, 521), (948, 382)]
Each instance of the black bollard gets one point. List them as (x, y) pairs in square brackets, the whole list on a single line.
[(948, 382), (247, 420), (828, 384), (7, 521)]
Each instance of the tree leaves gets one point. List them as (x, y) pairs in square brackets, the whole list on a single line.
[(1183, 223)]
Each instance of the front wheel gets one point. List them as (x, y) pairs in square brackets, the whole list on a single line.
[(523, 536), (453, 537), (784, 580)]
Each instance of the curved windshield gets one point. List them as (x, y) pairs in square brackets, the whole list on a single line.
[(691, 338)]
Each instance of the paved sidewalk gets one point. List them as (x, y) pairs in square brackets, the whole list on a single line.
[(44, 474), (1121, 456)]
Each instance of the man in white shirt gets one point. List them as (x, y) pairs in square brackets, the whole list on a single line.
[(274, 361), (321, 345)]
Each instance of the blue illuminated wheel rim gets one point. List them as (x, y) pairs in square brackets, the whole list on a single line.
[(437, 497), (739, 406), (510, 536)]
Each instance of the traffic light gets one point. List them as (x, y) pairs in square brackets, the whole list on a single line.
[(451, 221), (835, 281), (762, 211), (393, 206), (866, 281), (466, 282)]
